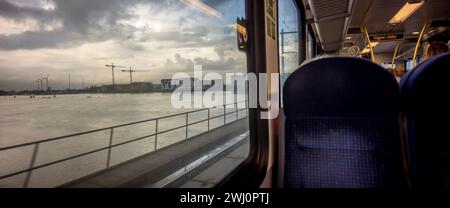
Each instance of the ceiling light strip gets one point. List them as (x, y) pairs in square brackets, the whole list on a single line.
[(406, 11)]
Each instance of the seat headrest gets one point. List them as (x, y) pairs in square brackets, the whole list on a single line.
[(438, 65), (427, 84), (341, 87)]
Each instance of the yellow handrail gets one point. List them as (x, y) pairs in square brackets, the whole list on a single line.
[(372, 56), (417, 44), (395, 54)]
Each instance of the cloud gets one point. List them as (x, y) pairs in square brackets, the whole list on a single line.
[(81, 36), (81, 21), (39, 39), (17, 13), (101, 20)]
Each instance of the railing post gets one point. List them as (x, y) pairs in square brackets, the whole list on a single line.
[(32, 162), (187, 124), (237, 112), (246, 107), (156, 133), (111, 135), (224, 114), (208, 119)]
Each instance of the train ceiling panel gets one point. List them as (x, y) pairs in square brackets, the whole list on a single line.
[(331, 20), (376, 14)]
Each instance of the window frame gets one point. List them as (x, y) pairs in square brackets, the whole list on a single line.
[(302, 34), (251, 172)]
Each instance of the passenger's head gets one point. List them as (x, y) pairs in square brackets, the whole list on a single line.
[(436, 48), (399, 72)]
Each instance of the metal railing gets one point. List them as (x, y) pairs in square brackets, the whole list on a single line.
[(32, 165)]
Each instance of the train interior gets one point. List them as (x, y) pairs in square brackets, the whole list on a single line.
[(326, 125)]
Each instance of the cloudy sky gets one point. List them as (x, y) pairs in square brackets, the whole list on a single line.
[(58, 37)]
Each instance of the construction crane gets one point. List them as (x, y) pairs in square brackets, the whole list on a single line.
[(131, 73), (112, 71)]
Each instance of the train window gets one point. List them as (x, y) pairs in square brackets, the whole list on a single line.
[(90, 90), (289, 38)]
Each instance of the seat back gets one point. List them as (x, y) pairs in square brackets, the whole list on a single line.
[(341, 126), (426, 105)]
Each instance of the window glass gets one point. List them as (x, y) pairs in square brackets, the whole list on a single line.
[(288, 29), (408, 64), (95, 77)]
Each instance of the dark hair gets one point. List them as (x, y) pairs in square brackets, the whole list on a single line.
[(436, 48)]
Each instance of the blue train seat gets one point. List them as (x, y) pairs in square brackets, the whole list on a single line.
[(341, 126), (426, 105)]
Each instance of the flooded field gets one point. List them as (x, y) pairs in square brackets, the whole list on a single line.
[(24, 119)]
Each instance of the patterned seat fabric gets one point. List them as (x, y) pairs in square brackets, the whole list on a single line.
[(341, 127)]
